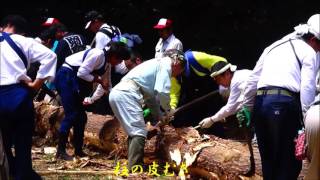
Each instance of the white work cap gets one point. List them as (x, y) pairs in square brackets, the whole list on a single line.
[(314, 25)]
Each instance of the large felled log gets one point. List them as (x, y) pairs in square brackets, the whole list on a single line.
[(48, 119), (102, 132), (105, 133), (225, 158), (213, 157)]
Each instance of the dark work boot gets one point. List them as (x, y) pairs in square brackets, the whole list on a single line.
[(61, 151), (78, 143), (80, 153)]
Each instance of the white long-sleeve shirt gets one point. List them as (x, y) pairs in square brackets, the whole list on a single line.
[(279, 67), (237, 86), (170, 43), (100, 91), (102, 40), (12, 69), (94, 60)]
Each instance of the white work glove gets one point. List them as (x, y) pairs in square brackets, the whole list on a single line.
[(88, 101), (206, 122)]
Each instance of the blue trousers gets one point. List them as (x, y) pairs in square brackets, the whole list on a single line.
[(276, 121), (17, 124), (67, 85)]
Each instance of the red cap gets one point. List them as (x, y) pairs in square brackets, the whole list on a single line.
[(50, 22), (163, 23)]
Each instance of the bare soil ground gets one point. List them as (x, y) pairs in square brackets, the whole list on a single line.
[(98, 165), (95, 167)]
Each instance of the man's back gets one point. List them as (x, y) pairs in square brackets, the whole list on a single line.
[(13, 69), (71, 43), (295, 62), (148, 74), (105, 35)]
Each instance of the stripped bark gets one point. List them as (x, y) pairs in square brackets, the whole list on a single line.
[(226, 159)]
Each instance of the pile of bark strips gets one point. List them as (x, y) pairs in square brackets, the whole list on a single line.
[(184, 149)]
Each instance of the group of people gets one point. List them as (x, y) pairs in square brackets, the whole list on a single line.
[(68, 68), (279, 90)]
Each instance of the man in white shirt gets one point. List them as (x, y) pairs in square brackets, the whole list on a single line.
[(167, 39), (16, 106), (80, 70), (283, 84), (225, 74), (167, 42), (135, 59), (104, 32), (148, 82)]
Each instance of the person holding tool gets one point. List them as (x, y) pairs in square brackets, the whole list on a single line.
[(195, 83), (283, 85), (148, 82), (84, 67), (225, 74), (197, 66)]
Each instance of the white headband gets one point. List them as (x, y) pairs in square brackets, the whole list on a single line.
[(222, 70), (303, 29)]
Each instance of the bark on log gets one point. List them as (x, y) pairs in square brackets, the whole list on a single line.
[(102, 132), (225, 159), (216, 157), (105, 133), (47, 120)]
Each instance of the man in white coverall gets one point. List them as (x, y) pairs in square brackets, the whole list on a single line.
[(148, 82)]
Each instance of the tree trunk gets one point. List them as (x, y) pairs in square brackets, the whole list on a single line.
[(102, 132), (214, 157), (105, 133), (48, 119)]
